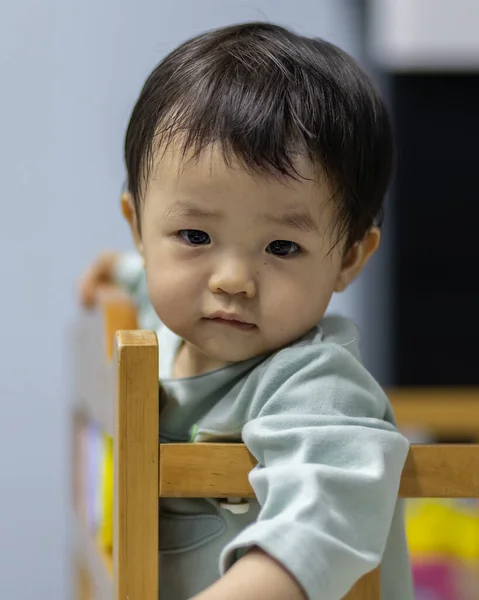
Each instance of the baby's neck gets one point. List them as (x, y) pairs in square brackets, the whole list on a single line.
[(190, 361)]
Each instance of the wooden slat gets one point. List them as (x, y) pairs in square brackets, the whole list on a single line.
[(119, 314), (135, 546), (443, 411), (367, 588), (205, 470), (441, 471), (221, 470)]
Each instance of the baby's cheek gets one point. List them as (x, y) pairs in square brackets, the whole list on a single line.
[(292, 311), (160, 295), (167, 298)]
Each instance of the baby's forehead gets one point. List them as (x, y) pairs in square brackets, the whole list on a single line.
[(212, 169)]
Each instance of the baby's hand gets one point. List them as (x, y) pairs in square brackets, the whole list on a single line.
[(96, 278)]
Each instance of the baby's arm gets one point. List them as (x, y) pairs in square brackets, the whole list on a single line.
[(110, 270), (328, 474), (256, 576)]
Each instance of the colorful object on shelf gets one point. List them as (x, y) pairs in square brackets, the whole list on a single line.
[(106, 494), (443, 538), (434, 580), (93, 481)]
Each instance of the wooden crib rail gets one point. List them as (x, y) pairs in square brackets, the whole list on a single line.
[(133, 423), (119, 392), (136, 434), (119, 314), (221, 471)]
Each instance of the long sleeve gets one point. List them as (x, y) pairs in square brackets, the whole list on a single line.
[(328, 471)]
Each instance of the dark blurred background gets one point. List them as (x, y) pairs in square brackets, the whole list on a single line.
[(436, 216)]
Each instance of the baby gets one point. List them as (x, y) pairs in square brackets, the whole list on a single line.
[(258, 161)]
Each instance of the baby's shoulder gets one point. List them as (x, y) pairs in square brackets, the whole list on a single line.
[(334, 336), (322, 371)]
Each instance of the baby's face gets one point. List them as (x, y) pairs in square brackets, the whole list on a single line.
[(237, 264)]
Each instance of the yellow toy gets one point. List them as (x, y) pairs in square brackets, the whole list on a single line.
[(105, 532), (444, 545)]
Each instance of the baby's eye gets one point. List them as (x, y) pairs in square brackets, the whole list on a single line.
[(283, 248), (195, 237)]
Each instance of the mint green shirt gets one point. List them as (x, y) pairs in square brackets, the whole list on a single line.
[(329, 464)]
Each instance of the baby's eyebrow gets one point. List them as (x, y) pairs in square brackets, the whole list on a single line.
[(188, 210), (301, 221), (298, 220)]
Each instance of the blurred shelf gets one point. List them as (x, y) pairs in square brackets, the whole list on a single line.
[(92, 375), (441, 411)]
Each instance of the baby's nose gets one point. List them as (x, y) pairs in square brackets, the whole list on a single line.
[(233, 277)]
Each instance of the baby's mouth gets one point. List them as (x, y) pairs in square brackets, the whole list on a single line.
[(233, 323), (231, 320)]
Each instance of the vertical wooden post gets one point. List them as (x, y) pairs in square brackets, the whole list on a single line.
[(135, 546), (367, 588)]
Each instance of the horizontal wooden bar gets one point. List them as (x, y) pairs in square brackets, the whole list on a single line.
[(205, 470), (442, 411), (221, 470), (441, 471)]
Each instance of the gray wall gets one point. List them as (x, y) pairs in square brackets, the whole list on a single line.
[(70, 72), (430, 35)]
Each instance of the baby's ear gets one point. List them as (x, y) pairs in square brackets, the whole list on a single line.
[(129, 212), (356, 257)]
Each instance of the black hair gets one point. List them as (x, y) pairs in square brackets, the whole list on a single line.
[(266, 95)]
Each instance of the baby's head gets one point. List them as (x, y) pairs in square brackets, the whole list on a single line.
[(258, 161)]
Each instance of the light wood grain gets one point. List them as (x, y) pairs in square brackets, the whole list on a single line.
[(221, 470), (441, 471), (205, 470), (367, 588), (119, 313), (442, 411), (135, 546)]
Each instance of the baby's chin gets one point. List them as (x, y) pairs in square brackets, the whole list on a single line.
[(232, 351), (222, 344), (226, 354)]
